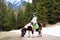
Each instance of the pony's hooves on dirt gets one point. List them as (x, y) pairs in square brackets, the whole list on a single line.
[(22, 35), (40, 35), (33, 37), (28, 36)]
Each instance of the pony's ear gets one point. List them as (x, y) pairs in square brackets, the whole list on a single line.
[(22, 29)]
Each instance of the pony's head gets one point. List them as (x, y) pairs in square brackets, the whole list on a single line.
[(23, 32)]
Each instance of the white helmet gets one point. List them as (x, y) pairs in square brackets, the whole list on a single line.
[(34, 14)]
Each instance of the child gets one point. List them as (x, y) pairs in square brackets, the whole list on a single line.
[(34, 19)]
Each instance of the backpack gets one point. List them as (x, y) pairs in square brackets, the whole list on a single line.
[(36, 26)]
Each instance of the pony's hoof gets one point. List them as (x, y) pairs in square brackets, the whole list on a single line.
[(33, 37), (40, 35), (28, 36)]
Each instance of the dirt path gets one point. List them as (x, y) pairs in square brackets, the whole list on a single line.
[(17, 37), (44, 37)]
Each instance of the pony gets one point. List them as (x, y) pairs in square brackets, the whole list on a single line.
[(29, 28)]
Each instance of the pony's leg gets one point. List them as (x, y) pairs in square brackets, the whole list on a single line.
[(32, 31), (28, 33), (40, 33)]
